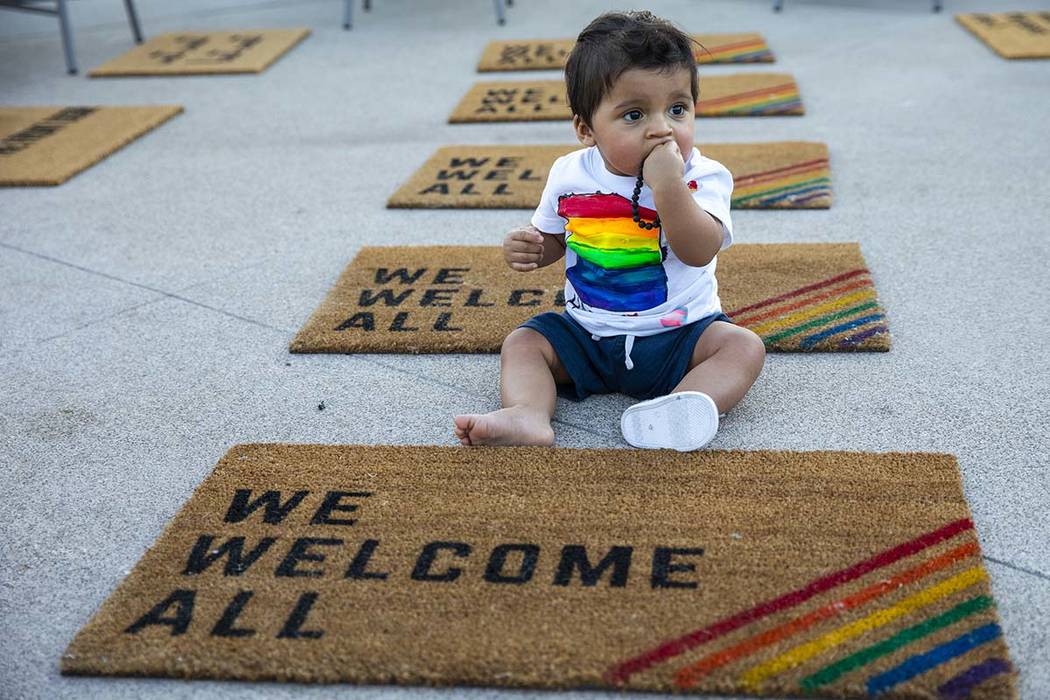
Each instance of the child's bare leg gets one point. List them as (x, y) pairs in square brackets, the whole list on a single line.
[(529, 370), (725, 363)]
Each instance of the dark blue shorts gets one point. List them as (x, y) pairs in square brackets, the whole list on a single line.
[(599, 366)]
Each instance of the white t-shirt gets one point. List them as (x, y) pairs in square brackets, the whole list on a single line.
[(621, 279)]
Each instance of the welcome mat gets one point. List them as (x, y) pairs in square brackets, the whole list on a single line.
[(777, 175), (49, 145), (204, 53), (769, 573), (799, 297), (551, 54), (1012, 34), (737, 95)]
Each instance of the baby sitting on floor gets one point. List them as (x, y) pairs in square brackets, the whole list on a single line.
[(639, 215)]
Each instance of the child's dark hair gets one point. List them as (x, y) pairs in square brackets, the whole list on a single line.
[(616, 42)]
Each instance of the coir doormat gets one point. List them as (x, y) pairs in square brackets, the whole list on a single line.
[(1012, 34), (49, 145), (768, 573), (799, 297), (551, 54), (777, 175), (203, 53), (737, 95)]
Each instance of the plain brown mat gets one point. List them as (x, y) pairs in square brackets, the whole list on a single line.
[(730, 572), (204, 53), (49, 145), (800, 297), (775, 175), (1012, 34), (548, 54), (739, 94)]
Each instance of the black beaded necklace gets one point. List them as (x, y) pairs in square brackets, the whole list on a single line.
[(634, 208)]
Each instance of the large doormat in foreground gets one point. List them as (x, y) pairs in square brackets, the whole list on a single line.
[(737, 95), (49, 145), (1012, 34), (202, 53), (777, 175), (770, 573), (799, 297), (551, 54)]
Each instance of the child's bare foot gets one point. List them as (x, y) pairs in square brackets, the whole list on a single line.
[(507, 426)]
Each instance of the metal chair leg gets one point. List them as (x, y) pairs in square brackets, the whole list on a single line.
[(348, 14), (67, 36), (501, 16), (368, 5), (133, 20), (778, 5), (936, 5)]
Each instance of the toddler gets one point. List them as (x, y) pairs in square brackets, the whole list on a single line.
[(639, 215)]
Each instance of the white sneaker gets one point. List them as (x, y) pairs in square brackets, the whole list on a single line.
[(684, 421)]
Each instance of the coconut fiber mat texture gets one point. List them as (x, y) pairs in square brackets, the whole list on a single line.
[(548, 54), (49, 145), (778, 175), (1012, 34), (768, 573), (737, 95), (799, 297), (196, 53)]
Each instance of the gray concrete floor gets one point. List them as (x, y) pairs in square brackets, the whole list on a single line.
[(147, 304)]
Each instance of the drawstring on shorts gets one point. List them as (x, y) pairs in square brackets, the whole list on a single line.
[(628, 345)]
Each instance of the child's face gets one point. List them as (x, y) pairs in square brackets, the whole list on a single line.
[(645, 107)]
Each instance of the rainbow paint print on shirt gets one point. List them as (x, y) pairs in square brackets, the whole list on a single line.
[(619, 265)]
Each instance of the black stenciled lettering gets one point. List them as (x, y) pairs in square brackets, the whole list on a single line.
[(241, 508), (383, 276), (474, 299), (527, 175), (358, 568), (299, 552), (331, 503), (437, 188), (450, 275), (21, 140), (574, 558), (398, 324), (293, 627), (468, 161), (362, 319), (469, 189), (663, 566), (508, 162), (530, 554), (182, 599), (502, 188), (422, 572), (518, 295), (369, 298), (204, 555), (456, 174), (500, 175), (438, 297), (442, 323), (559, 297), (225, 626)]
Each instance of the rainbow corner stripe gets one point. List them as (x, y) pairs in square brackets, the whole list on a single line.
[(773, 100), (942, 592), (751, 51), (619, 265), (835, 314), (805, 185)]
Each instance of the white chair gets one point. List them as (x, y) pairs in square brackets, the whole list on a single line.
[(57, 8)]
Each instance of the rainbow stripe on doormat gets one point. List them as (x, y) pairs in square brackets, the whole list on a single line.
[(806, 184), (837, 313), (776, 99), (750, 51), (952, 630)]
